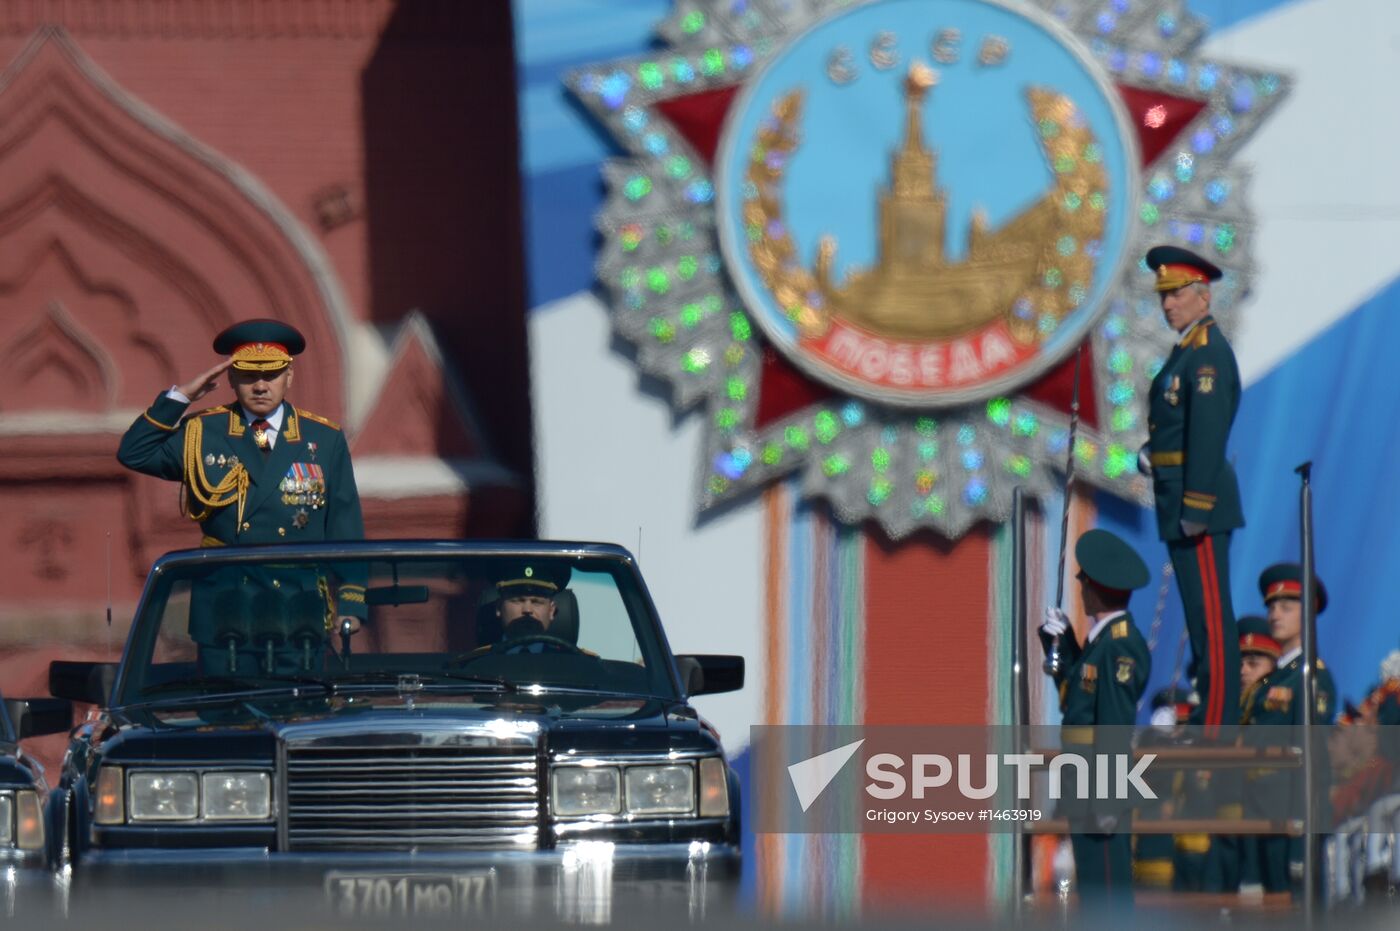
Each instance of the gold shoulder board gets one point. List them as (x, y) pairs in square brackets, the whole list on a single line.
[(1119, 630), (318, 418)]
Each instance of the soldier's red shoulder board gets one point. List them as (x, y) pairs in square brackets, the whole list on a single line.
[(221, 409), (318, 418), (1119, 630)]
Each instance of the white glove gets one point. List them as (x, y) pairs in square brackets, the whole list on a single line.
[(1390, 666), (1191, 528), (1144, 462), (1056, 622)]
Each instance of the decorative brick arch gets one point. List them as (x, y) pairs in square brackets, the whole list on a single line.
[(162, 242)]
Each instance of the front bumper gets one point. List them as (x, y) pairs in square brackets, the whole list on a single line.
[(27, 889), (588, 881)]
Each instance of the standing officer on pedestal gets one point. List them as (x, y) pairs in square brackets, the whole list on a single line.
[(1099, 693), (1191, 407), (257, 470)]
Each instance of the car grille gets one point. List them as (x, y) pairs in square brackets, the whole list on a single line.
[(411, 798)]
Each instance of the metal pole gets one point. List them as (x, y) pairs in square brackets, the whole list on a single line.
[(1054, 659), (1020, 686), (1069, 477), (1309, 597)]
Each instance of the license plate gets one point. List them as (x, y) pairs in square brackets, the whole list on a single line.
[(426, 894)]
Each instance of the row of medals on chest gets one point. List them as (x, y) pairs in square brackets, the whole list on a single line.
[(295, 490)]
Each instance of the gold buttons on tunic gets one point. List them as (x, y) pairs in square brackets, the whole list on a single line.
[(246, 525), (281, 531)]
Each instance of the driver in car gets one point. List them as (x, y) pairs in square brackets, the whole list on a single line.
[(526, 604)]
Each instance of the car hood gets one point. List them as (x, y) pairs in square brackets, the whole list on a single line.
[(577, 726)]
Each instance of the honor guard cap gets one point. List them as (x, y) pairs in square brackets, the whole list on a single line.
[(1109, 562), (1255, 636), (1176, 267), (260, 345), (1285, 580), (533, 578)]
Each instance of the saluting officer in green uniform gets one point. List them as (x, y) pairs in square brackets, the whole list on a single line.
[(256, 470), (1278, 700), (1191, 408), (1099, 693)]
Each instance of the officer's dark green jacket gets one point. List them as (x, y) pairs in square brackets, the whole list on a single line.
[(1191, 408), (302, 491), (1278, 698), (1277, 702), (1101, 688), (1107, 678)]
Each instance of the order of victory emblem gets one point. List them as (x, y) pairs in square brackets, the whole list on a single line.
[(939, 225), (869, 237)]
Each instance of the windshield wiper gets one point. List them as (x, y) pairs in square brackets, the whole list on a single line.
[(413, 681), (223, 698), (240, 683), (540, 689)]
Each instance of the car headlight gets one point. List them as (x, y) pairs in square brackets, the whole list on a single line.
[(163, 796), (661, 790), (7, 821), (29, 820), (586, 790), (236, 796), (110, 804), (714, 788)]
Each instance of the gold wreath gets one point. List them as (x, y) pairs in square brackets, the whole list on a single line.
[(946, 298)]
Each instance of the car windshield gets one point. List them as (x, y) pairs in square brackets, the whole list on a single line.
[(506, 623)]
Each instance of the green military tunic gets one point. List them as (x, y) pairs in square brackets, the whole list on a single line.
[(302, 490), (1101, 687), (1191, 407), (1277, 701)]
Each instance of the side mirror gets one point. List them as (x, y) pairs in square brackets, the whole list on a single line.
[(34, 717), (82, 682), (710, 673)]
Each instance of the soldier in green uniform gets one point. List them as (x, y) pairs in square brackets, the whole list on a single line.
[(1191, 408), (1154, 854), (1099, 692), (1277, 700), (256, 470), (1259, 653), (1232, 863)]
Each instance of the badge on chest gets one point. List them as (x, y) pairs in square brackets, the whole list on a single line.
[(1089, 678), (304, 485), (1173, 391), (1278, 698)]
